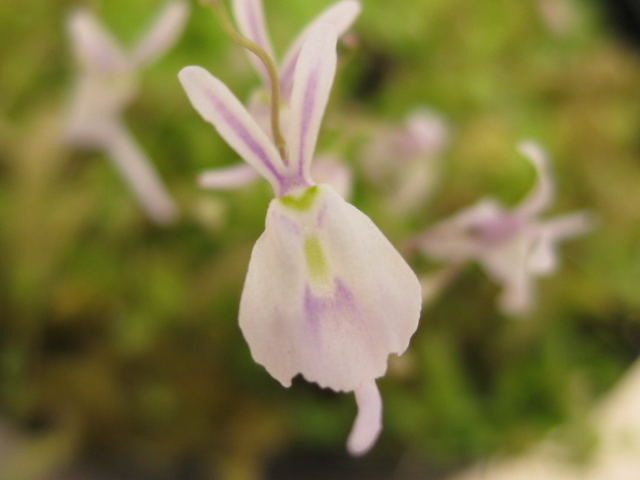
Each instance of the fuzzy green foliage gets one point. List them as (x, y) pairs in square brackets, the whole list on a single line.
[(123, 335)]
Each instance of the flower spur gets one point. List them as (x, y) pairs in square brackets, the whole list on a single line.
[(326, 294)]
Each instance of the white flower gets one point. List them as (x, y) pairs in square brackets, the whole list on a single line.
[(512, 245), (249, 16), (106, 84), (326, 295)]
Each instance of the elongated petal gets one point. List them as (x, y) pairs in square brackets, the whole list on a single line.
[(315, 71), (459, 238), (341, 15), (228, 178), (368, 423), (543, 257), (218, 106), (162, 34), (542, 193), (249, 16), (93, 45), (508, 265), (141, 176), (326, 294)]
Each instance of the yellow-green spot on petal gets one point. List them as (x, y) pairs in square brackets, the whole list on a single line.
[(315, 257), (303, 202)]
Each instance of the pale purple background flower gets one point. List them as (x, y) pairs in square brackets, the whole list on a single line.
[(512, 245), (107, 82), (403, 161)]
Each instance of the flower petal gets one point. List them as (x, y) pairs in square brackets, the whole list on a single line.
[(218, 106), (228, 178), (315, 71), (326, 294), (508, 265), (162, 34), (249, 16), (457, 238), (368, 422), (328, 169), (94, 46), (543, 258), (542, 193), (141, 176), (341, 15)]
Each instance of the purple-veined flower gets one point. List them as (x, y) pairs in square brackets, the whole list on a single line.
[(106, 84), (326, 294), (249, 16), (512, 245)]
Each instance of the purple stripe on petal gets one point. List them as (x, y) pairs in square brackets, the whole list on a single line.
[(321, 215), (246, 137), (307, 114), (286, 77), (341, 305)]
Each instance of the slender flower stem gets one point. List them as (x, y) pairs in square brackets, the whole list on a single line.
[(269, 64)]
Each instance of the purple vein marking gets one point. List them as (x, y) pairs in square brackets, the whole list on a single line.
[(307, 113), (340, 307), (236, 125), (286, 73)]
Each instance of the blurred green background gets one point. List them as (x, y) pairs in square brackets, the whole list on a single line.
[(119, 343)]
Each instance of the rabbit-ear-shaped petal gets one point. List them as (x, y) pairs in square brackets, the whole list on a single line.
[(542, 193), (315, 71), (162, 34), (218, 106), (341, 15), (94, 47), (228, 178), (249, 16)]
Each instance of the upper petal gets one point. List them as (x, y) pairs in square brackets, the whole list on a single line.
[(249, 16), (228, 178), (93, 45), (326, 294), (315, 71), (162, 34), (217, 105), (542, 193), (341, 15)]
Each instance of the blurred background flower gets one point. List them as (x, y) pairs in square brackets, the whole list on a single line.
[(120, 351)]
